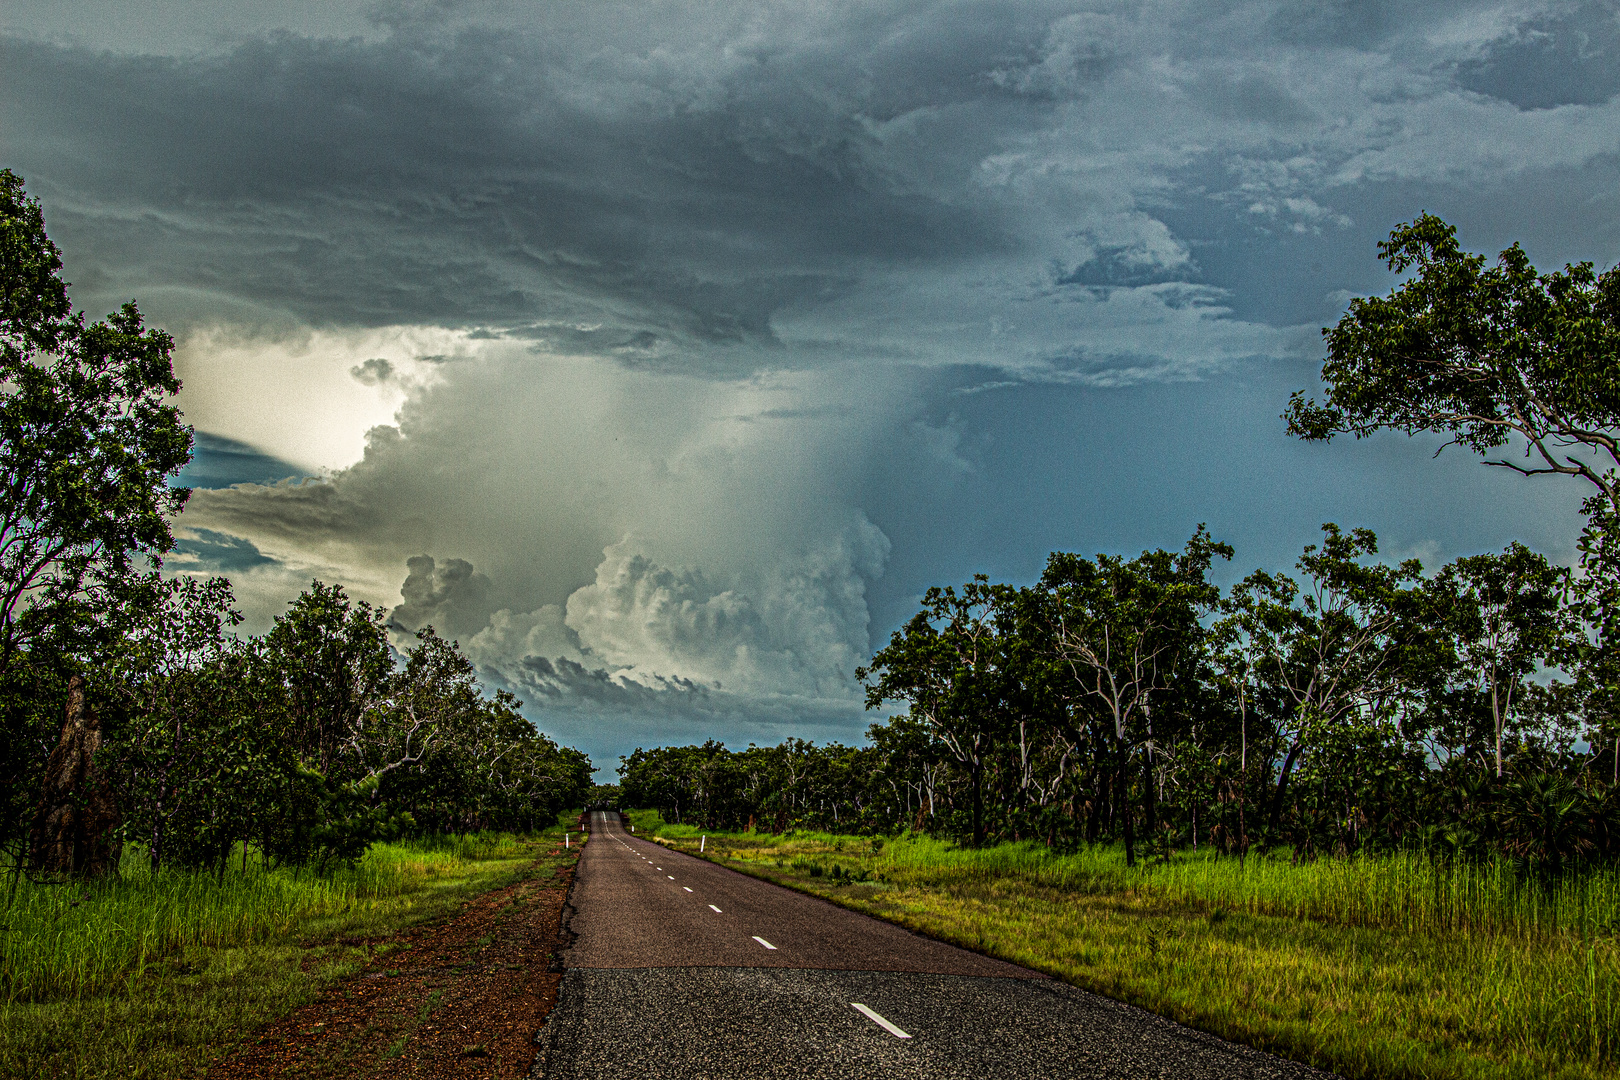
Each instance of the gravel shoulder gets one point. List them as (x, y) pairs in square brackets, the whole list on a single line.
[(455, 1000)]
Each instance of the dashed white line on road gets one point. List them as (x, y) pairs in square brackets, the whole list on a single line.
[(716, 910), (688, 888), (670, 876), (875, 1018), (765, 943)]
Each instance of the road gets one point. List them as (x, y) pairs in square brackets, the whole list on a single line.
[(683, 969)]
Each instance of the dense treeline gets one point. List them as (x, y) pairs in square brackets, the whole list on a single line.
[(1355, 706), (316, 739), (1352, 705), (306, 744)]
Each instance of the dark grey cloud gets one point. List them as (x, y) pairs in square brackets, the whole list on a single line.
[(576, 684), (665, 186), (373, 372), (463, 180), (1567, 57)]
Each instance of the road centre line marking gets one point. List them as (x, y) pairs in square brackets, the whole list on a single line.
[(716, 910), (671, 877), (876, 1019), (688, 888), (765, 943)]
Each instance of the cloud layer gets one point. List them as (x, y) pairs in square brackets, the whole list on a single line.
[(679, 186), (655, 351)]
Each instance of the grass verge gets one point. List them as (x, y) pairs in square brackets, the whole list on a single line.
[(154, 976), (1371, 968)]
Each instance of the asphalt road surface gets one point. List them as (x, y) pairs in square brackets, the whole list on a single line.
[(683, 969)]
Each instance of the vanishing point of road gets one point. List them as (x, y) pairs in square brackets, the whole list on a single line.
[(684, 970)]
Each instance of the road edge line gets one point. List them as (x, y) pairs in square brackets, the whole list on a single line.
[(545, 1038)]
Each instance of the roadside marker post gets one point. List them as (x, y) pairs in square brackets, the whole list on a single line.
[(702, 842)]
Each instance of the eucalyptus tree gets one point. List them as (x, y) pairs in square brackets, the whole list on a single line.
[(528, 777), (1238, 653), (1593, 657), (196, 757), (334, 658), (650, 778), (1042, 732), (89, 437), (914, 762), (1125, 629), (949, 663), (1330, 650), (761, 770), (1505, 617), (1521, 368), (434, 702), (1485, 355)]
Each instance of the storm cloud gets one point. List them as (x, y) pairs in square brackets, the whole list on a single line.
[(706, 189), (663, 354)]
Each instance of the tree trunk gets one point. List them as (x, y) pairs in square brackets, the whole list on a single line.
[(1110, 827), (1282, 786), (977, 772), (1094, 809), (1122, 803), (1150, 802), (1243, 829), (1496, 716)]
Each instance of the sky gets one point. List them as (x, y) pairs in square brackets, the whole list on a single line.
[(664, 353)]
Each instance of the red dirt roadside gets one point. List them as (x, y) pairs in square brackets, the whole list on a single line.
[(456, 1000)]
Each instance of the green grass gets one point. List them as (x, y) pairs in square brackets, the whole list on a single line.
[(149, 975), (1374, 967)]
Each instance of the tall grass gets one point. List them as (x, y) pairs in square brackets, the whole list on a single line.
[(1407, 891), (1402, 891), (75, 940)]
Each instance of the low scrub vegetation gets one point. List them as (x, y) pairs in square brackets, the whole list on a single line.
[(154, 973), (1394, 965)]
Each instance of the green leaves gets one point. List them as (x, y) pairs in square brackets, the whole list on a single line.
[(88, 438), (88, 442), (34, 309), (1126, 628), (1496, 356), (334, 658), (1485, 354)]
